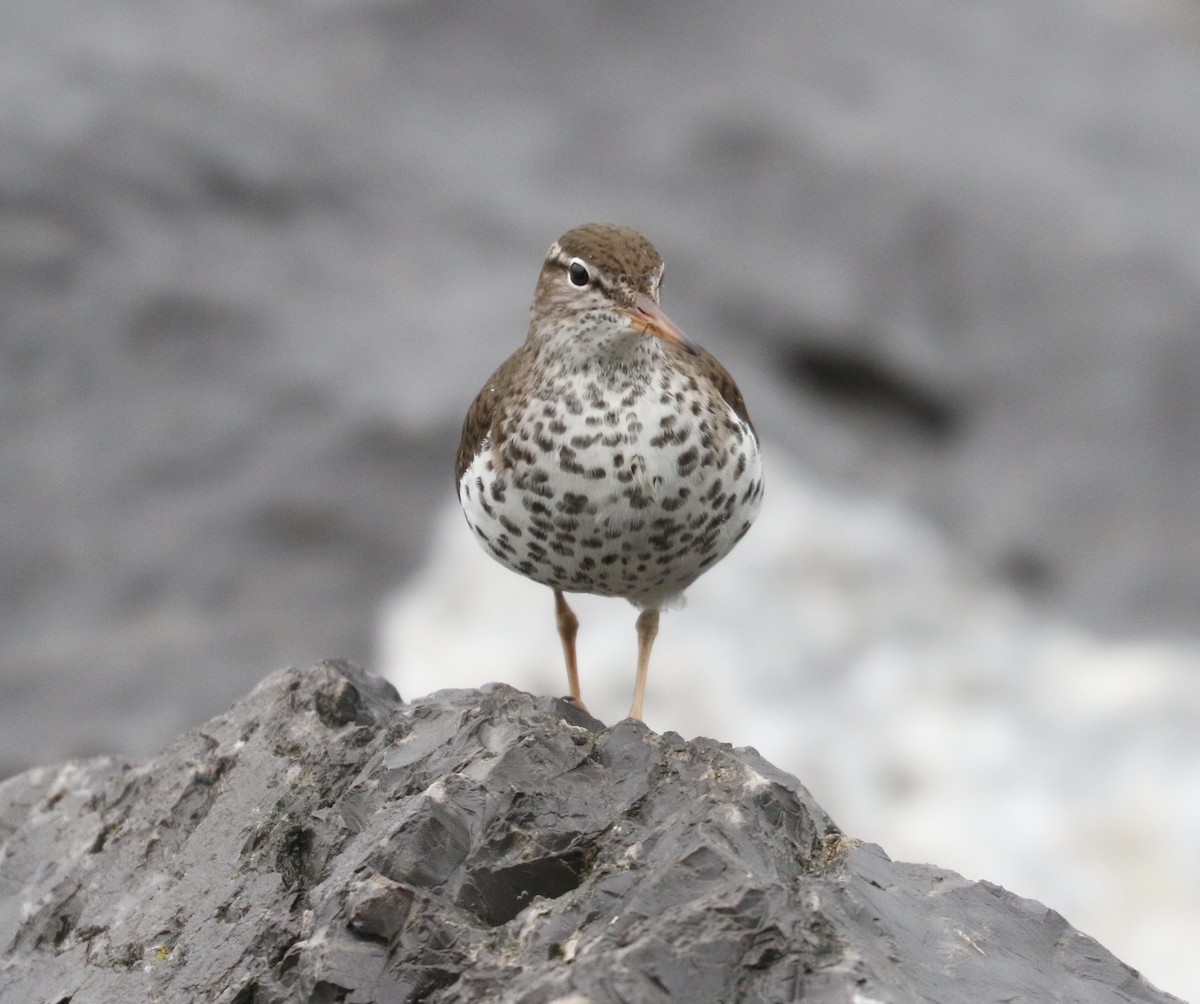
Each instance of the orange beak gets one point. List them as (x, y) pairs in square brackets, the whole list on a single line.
[(647, 317)]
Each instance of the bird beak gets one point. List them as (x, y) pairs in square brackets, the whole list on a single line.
[(648, 318)]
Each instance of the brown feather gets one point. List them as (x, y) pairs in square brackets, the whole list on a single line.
[(620, 254), (719, 376), (483, 415)]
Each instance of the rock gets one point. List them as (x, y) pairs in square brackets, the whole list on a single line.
[(322, 841)]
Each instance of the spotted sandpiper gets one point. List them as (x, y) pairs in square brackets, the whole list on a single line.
[(608, 454)]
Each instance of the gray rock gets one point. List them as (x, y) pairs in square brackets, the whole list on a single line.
[(322, 841)]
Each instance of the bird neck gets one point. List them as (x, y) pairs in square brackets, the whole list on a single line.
[(599, 348)]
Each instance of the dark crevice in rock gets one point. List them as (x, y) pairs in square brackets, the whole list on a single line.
[(246, 995), (292, 858), (497, 894)]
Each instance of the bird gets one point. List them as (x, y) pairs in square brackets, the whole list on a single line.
[(609, 454)]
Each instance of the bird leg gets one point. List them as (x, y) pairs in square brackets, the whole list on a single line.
[(647, 629), (568, 627)]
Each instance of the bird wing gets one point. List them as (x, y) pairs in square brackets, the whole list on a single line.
[(721, 379), (485, 414)]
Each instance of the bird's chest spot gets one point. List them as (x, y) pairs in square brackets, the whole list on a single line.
[(624, 487)]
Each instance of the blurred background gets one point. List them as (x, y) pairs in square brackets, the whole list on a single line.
[(256, 258)]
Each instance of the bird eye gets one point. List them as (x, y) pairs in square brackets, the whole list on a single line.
[(578, 274)]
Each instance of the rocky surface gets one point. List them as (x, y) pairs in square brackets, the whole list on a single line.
[(323, 842)]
